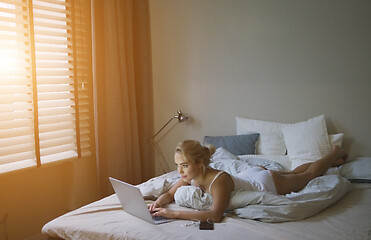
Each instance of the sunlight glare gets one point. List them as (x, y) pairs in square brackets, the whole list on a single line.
[(7, 63)]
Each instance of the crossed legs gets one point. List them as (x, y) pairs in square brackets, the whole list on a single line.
[(297, 179)]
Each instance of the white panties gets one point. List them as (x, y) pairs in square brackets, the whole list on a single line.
[(254, 179)]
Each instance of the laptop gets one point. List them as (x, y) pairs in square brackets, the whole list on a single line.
[(132, 202)]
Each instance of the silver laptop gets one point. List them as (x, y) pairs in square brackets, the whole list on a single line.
[(132, 202)]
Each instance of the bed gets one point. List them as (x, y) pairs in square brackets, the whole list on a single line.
[(333, 206)]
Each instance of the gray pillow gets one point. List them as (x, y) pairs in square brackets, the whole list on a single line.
[(236, 144)]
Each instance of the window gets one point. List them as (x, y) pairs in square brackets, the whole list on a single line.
[(45, 82)]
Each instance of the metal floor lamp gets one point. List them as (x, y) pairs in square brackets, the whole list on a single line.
[(163, 163)]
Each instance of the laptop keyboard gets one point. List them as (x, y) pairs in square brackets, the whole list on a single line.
[(158, 218)]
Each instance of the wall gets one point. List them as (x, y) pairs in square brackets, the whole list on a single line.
[(283, 61), (32, 197)]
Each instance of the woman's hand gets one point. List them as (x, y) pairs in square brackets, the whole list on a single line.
[(166, 197), (153, 206), (165, 212)]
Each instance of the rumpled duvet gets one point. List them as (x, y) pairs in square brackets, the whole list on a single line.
[(320, 193)]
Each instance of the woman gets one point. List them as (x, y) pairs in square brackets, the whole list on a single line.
[(193, 161)]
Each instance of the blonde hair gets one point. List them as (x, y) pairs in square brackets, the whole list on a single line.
[(193, 151)]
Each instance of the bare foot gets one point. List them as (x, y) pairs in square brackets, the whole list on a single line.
[(342, 156), (338, 162), (340, 152)]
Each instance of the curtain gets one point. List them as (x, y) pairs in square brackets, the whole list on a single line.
[(124, 91)]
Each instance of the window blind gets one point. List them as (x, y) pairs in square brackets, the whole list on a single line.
[(83, 72), (45, 80)]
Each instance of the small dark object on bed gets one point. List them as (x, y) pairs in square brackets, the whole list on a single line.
[(206, 226)]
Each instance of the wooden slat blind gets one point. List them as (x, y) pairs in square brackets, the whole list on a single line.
[(45, 81), (17, 139), (83, 74)]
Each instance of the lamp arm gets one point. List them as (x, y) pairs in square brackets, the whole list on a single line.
[(164, 165), (162, 128)]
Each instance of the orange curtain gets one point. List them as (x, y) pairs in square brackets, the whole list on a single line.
[(124, 91)]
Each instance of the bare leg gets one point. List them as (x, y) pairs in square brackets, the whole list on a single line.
[(300, 169), (304, 167), (299, 177), (319, 167)]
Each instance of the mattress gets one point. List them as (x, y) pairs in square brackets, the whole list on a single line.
[(348, 218), (345, 220)]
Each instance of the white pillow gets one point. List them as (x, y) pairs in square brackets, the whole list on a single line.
[(359, 168), (307, 141), (270, 142), (336, 139)]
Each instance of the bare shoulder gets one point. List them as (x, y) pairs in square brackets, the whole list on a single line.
[(223, 182), (226, 178)]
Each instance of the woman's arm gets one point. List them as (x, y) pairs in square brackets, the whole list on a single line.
[(167, 197), (221, 192)]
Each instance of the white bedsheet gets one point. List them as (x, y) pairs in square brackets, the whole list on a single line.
[(105, 219), (267, 207), (347, 219)]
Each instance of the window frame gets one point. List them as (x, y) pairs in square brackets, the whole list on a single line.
[(82, 83)]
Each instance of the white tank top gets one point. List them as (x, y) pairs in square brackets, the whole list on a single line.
[(244, 180), (248, 180), (216, 176), (247, 184)]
